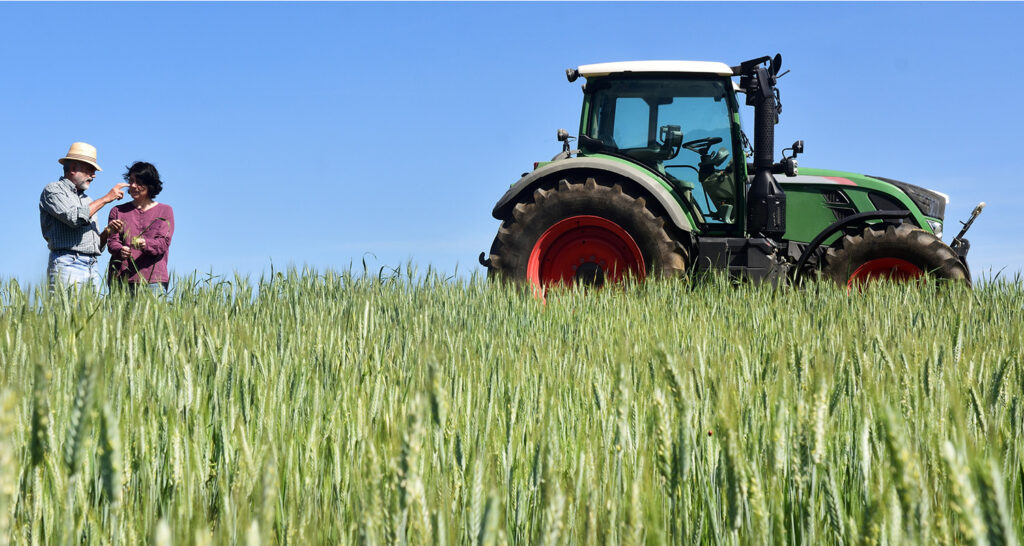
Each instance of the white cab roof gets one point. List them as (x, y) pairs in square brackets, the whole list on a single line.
[(685, 67)]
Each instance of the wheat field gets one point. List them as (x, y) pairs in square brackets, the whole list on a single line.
[(342, 408)]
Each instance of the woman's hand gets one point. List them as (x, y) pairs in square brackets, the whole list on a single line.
[(126, 252), (138, 243)]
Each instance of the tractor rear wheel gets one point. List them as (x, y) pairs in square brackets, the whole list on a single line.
[(897, 253), (589, 231)]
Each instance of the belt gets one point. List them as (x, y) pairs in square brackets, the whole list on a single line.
[(76, 253)]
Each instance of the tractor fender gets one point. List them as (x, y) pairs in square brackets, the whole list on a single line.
[(857, 220), (532, 180)]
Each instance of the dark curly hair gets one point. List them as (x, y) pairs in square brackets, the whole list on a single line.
[(145, 174)]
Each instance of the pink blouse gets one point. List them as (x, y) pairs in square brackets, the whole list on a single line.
[(155, 226)]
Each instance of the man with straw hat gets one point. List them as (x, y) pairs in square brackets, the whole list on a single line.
[(67, 218)]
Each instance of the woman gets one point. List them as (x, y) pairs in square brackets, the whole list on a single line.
[(139, 250)]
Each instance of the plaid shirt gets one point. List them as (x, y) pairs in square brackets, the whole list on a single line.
[(65, 221)]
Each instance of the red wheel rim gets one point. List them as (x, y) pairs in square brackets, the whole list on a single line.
[(894, 269), (585, 248)]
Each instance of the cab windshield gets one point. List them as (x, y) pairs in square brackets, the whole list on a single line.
[(680, 128)]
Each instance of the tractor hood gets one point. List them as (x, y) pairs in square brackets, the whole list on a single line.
[(928, 203), (932, 203)]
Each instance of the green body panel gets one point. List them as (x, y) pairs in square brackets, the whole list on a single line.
[(807, 214)]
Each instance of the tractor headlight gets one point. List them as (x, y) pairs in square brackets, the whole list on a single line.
[(936, 227), (931, 203)]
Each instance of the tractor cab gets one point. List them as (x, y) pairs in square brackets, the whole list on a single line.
[(678, 119)]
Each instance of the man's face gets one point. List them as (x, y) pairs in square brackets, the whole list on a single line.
[(81, 174)]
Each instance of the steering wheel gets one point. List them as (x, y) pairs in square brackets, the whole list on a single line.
[(702, 145)]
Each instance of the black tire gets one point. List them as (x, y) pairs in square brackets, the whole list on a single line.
[(599, 196), (905, 242)]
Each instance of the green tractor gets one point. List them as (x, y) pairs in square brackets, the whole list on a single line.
[(664, 181)]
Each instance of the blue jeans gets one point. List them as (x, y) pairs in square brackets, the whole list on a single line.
[(158, 288), (68, 268)]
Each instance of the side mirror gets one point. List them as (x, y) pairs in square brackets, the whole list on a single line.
[(564, 138), (797, 148), (776, 64), (671, 136)]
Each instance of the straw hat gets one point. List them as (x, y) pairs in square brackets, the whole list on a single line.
[(83, 152)]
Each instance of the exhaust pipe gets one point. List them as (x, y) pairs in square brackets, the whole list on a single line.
[(766, 202)]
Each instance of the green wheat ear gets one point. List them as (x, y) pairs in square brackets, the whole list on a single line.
[(110, 457), (39, 440), (78, 422), (994, 507), (8, 466), (964, 499), (162, 534), (269, 494)]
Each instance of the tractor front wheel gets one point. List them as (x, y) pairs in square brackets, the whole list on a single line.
[(584, 231), (896, 253)]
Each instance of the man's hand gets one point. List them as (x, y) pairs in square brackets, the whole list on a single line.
[(115, 226), (126, 252), (115, 193)]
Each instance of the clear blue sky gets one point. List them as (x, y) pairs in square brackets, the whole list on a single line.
[(315, 133)]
